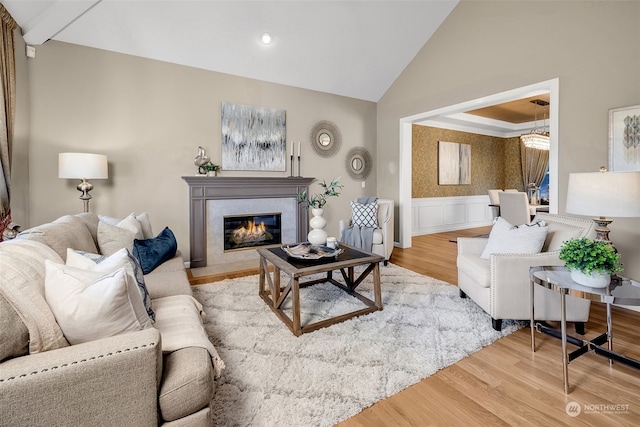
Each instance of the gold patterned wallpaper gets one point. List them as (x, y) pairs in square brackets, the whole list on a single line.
[(495, 163)]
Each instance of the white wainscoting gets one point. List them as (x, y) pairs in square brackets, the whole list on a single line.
[(438, 214)]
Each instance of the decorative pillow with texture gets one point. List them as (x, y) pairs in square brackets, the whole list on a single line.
[(143, 220), (523, 239), (22, 275), (14, 335), (112, 238), (90, 305), (153, 252), (65, 232), (364, 215), (111, 263)]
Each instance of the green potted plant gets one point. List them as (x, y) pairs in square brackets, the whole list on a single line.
[(210, 169), (591, 262), (318, 200), (317, 235)]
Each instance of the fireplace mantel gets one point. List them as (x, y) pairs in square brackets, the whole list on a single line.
[(204, 188)]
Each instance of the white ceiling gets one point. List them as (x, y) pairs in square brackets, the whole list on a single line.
[(350, 48)]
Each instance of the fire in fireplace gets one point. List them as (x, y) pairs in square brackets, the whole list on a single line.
[(249, 231)]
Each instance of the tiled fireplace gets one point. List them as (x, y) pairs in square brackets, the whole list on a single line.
[(230, 216)]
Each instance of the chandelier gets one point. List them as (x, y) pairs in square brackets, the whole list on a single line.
[(537, 138)]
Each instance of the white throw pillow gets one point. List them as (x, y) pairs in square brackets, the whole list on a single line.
[(364, 215), (143, 220), (90, 305), (109, 264), (145, 223), (523, 239)]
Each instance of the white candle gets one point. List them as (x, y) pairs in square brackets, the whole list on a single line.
[(298, 148), (292, 143)]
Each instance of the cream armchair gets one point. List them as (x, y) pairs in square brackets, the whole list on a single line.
[(383, 235), (500, 285)]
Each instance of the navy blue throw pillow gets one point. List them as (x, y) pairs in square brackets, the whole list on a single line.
[(153, 252)]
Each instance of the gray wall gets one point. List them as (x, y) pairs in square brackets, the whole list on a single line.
[(488, 47), (149, 117)]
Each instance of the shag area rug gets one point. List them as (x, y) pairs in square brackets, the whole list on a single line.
[(273, 378)]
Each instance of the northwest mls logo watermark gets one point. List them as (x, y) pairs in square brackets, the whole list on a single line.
[(573, 409)]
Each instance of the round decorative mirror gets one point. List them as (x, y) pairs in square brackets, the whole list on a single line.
[(325, 138), (359, 163)]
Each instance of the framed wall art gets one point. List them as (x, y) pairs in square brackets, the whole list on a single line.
[(624, 139), (454, 163), (253, 138)]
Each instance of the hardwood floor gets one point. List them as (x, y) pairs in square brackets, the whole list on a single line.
[(505, 383), (434, 255)]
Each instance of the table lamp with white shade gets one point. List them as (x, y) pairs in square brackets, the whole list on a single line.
[(605, 195), (83, 166)]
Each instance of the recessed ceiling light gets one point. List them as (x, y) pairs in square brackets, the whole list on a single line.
[(266, 38)]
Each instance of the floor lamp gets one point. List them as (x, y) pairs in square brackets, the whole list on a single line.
[(604, 194), (83, 166)]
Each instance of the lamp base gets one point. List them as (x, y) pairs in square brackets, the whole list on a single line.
[(84, 187), (602, 229)]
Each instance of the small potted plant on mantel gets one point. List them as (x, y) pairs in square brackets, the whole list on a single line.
[(210, 168), (591, 262)]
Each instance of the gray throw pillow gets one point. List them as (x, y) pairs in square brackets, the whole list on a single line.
[(112, 238)]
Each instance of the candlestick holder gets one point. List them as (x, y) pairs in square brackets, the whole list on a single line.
[(299, 174), (291, 174)]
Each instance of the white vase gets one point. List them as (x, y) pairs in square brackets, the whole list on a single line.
[(593, 280), (317, 235)]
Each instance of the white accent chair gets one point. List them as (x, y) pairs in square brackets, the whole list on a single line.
[(500, 285), (383, 236), (514, 207)]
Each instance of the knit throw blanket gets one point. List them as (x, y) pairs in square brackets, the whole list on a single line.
[(357, 236)]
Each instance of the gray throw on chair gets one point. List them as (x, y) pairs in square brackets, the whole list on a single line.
[(356, 236)]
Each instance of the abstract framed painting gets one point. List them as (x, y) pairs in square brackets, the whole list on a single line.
[(454, 163), (624, 139), (253, 138)]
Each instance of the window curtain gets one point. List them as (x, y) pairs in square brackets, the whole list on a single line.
[(534, 165), (7, 116)]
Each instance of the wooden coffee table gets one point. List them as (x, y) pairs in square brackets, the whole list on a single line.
[(274, 294)]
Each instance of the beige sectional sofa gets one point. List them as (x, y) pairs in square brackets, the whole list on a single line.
[(164, 374)]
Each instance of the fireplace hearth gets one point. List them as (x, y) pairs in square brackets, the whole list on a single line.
[(250, 231)]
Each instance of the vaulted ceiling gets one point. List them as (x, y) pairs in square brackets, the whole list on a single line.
[(350, 48)]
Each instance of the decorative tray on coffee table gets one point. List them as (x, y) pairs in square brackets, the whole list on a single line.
[(307, 251)]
